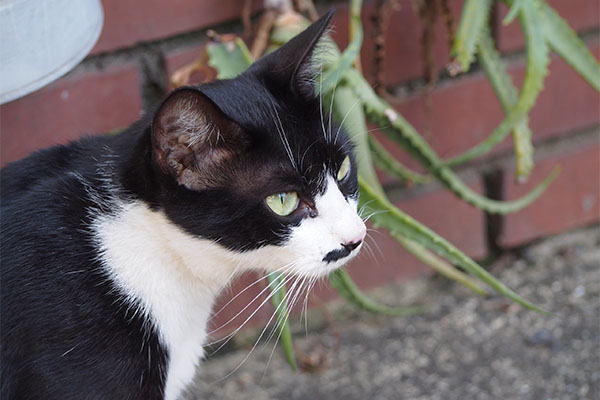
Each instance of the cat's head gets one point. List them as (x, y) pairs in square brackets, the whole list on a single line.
[(254, 164)]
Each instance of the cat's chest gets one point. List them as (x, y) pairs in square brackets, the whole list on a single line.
[(151, 262)]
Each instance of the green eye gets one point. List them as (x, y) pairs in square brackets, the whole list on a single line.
[(283, 203), (344, 169)]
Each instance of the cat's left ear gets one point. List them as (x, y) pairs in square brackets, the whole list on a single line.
[(192, 138), (292, 63)]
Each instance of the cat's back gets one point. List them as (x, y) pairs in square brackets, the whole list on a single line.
[(61, 317), (44, 167)]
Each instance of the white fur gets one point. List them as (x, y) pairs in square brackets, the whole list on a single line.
[(174, 277)]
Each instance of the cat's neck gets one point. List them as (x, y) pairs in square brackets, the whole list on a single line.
[(171, 277)]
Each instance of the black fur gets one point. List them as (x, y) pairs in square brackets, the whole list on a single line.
[(66, 331)]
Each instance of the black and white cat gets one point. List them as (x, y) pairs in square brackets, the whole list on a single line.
[(114, 248)]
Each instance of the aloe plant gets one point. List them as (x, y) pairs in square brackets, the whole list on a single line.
[(353, 103)]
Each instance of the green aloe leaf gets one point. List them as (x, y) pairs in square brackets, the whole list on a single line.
[(333, 74), (347, 111), (474, 17), (283, 324), (386, 162), (535, 73), (390, 217), (512, 12), (507, 94), (347, 289), (401, 131), (229, 58), (565, 42), (344, 61), (438, 264)]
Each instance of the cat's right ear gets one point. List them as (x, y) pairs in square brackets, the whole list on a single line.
[(191, 137), (292, 64)]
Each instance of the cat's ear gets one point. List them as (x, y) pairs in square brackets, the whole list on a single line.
[(293, 62), (191, 137)]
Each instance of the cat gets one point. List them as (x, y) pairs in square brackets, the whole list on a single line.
[(114, 248)]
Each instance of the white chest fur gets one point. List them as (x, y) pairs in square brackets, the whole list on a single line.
[(172, 277)]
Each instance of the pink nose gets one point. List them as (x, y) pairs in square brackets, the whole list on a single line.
[(360, 237), (354, 243)]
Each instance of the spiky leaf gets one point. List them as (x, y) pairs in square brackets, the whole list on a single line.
[(535, 72), (565, 42), (391, 218), (474, 17), (507, 94), (401, 131), (347, 289), (283, 325)]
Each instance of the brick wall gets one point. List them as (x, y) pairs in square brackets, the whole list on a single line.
[(128, 69)]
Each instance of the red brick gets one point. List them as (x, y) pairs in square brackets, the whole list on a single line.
[(404, 56), (581, 15), (572, 200), (93, 102), (465, 110), (128, 22)]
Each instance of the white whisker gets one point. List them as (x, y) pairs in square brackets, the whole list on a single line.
[(246, 288), (232, 334), (261, 334), (344, 120)]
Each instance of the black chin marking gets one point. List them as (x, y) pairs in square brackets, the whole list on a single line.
[(335, 255)]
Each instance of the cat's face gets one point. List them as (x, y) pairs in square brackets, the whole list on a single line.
[(253, 164)]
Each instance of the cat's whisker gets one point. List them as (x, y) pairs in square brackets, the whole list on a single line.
[(265, 276), (261, 334), (283, 136), (232, 334), (289, 294), (375, 243), (369, 251), (282, 323), (374, 213), (304, 310), (331, 103), (364, 206), (351, 137), (344, 120), (306, 152), (321, 103), (306, 285), (287, 278), (246, 307), (373, 230)]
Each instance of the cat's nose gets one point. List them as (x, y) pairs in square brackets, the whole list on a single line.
[(351, 246), (354, 243)]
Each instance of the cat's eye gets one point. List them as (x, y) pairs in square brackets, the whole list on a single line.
[(283, 203), (344, 169)]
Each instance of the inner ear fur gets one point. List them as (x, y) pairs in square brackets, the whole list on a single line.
[(191, 137)]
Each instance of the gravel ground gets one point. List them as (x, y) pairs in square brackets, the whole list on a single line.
[(462, 347)]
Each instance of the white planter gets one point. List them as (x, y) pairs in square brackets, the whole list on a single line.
[(41, 40)]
